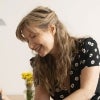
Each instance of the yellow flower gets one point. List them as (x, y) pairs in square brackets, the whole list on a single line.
[(28, 77)]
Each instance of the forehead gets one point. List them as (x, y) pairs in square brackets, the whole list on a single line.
[(29, 30)]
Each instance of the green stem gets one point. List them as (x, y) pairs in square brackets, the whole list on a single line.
[(29, 94)]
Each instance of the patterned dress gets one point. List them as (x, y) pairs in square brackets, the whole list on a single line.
[(89, 56)]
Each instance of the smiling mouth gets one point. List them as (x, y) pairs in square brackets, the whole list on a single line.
[(37, 49)]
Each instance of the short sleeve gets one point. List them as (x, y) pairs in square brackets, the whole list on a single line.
[(91, 52), (33, 63)]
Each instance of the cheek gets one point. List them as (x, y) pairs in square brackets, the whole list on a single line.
[(46, 40), (49, 41)]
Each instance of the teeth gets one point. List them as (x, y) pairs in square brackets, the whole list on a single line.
[(37, 49)]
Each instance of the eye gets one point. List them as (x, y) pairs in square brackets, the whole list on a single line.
[(33, 36)]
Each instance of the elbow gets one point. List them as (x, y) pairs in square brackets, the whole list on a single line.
[(89, 93)]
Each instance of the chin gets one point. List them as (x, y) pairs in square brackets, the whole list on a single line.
[(43, 54)]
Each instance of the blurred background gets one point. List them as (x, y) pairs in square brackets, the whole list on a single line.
[(81, 18)]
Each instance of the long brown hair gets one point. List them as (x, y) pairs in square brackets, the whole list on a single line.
[(49, 71)]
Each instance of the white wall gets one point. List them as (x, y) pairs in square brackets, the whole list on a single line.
[(81, 17)]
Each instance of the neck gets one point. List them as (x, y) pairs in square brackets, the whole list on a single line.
[(55, 52)]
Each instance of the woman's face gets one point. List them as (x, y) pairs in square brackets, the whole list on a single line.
[(42, 41)]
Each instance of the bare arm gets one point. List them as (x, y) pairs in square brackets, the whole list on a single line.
[(41, 93), (89, 79)]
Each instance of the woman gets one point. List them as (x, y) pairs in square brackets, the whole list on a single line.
[(65, 67)]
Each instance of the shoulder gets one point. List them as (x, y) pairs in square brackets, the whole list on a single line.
[(88, 42), (33, 61), (90, 51)]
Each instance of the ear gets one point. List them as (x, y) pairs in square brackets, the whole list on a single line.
[(52, 29)]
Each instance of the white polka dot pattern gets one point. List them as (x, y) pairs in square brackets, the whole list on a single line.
[(92, 62), (95, 49), (89, 56), (62, 96), (76, 78), (83, 50), (72, 85), (98, 98), (76, 64), (97, 56)]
